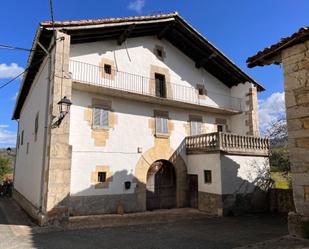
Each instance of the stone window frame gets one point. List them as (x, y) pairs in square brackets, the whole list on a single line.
[(207, 176), (221, 122), (94, 177), (161, 114), (158, 48), (154, 69), (101, 104), (111, 63), (99, 127), (195, 118)]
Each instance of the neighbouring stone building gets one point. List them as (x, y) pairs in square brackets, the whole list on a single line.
[(160, 119), (293, 53)]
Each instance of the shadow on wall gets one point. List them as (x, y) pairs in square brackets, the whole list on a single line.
[(245, 189), (130, 200)]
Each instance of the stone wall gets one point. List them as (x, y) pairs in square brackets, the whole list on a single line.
[(295, 62), (57, 174)]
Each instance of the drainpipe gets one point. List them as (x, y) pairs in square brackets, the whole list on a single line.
[(46, 126)]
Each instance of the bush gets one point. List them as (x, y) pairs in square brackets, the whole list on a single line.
[(5, 167)]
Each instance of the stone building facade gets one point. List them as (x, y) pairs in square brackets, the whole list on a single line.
[(152, 125), (293, 54)]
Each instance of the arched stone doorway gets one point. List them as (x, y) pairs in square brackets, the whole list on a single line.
[(161, 186)]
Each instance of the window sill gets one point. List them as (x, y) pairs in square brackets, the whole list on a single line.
[(160, 135), (100, 128)]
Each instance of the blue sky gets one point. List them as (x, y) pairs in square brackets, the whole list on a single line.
[(239, 28)]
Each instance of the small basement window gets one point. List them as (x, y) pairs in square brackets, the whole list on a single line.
[(207, 176), (107, 69), (101, 176)]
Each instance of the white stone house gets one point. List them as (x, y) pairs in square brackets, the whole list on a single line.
[(160, 119)]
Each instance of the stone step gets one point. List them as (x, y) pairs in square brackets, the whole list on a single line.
[(114, 220)]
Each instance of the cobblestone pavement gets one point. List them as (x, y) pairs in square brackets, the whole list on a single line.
[(16, 231)]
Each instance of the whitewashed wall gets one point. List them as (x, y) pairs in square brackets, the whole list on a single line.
[(138, 57), (240, 174), (120, 153), (200, 162), (28, 167)]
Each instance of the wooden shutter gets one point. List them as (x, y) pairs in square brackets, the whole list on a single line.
[(104, 118), (161, 125), (96, 117), (100, 118), (196, 128), (164, 125)]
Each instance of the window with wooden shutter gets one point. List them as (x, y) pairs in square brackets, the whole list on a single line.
[(100, 118), (196, 127), (161, 125), (195, 124)]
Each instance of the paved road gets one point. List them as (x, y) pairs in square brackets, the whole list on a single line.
[(16, 231)]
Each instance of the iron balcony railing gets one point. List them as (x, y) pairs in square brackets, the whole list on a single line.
[(227, 142), (124, 81)]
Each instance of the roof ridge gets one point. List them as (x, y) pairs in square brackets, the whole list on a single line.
[(107, 20)]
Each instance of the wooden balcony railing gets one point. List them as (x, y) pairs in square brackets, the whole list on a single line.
[(227, 142)]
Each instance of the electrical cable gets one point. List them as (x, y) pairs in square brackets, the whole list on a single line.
[(2, 46)]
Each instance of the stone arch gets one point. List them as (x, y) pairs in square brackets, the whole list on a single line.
[(162, 152), (161, 185)]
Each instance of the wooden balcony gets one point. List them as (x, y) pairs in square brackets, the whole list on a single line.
[(93, 78), (227, 142)]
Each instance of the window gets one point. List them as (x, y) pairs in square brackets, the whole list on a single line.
[(101, 176), (207, 176), (107, 69), (201, 90), (22, 138), (196, 127), (161, 125), (220, 128), (159, 52), (36, 126), (160, 85), (100, 118)]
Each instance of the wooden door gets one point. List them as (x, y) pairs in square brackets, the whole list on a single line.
[(193, 191)]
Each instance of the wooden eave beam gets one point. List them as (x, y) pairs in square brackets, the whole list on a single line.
[(165, 30), (125, 34)]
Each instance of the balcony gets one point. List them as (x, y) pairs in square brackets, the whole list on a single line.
[(227, 142), (143, 88)]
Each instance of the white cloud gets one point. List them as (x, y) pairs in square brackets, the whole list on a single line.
[(136, 5), (7, 137), (10, 71), (271, 109)]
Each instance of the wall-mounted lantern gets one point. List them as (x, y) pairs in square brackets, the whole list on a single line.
[(64, 108)]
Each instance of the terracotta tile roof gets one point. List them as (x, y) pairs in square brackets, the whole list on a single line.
[(298, 37), (107, 20)]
